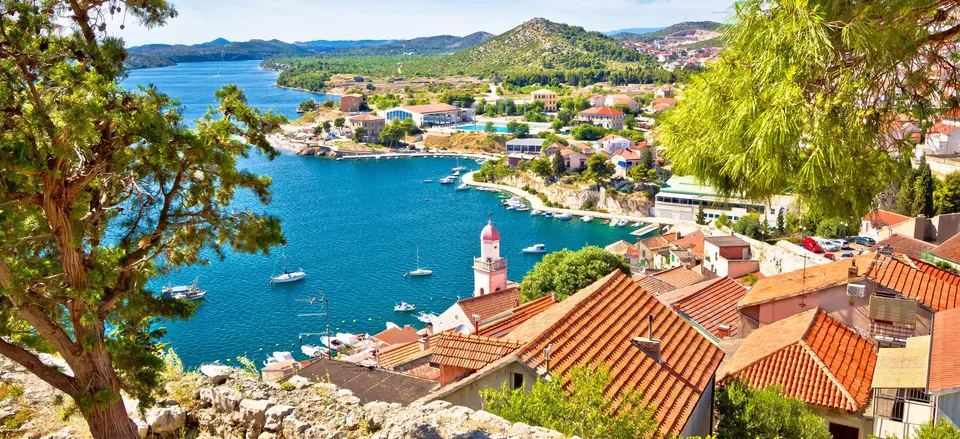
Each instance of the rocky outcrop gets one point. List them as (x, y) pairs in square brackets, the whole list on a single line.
[(635, 204), (318, 151)]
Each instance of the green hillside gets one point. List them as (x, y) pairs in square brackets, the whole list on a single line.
[(667, 31)]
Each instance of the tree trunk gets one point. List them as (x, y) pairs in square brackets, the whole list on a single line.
[(110, 420)]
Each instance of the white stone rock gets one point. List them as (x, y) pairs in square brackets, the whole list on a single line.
[(165, 419), (253, 412), (275, 416), (226, 399), (267, 435), (299, 382)]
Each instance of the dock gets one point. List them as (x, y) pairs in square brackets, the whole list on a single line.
[(393, 155)]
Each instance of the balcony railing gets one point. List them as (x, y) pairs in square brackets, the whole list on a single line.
[(494, 265)]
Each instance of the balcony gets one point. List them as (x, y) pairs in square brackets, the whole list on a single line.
[(493, 265)]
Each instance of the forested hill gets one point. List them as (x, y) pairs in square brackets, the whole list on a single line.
[(425, 46), (667, 31)]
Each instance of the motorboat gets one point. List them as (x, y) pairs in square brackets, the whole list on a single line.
[(185, 292), (622, 223), (548, 214), (614, 222), (420, 271), (522, 208), (636, 224), (287, 276), (455, 174), (564, 216), (426, 317), (312, 351), (448, 180), (463, 187), (536, 212), (404, 307), (587, 219), (606, 221), (347, 339), (428, 181), (215, 369), (278, 357), (535, 249)]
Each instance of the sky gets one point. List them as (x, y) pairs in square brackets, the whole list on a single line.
[(303, 20)]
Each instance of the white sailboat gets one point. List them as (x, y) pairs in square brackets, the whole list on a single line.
[(459, 168), (420, 271), (287, 276)]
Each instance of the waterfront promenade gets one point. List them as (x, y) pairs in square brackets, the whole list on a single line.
[(537, 204)]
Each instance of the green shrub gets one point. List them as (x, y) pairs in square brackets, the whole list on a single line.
[(286, 386), (8, 390)]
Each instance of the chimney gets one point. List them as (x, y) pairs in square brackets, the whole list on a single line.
[(648, 344), (476, 323), (424, 343), (675, 306), (852, 272), (723, 331), (546, 359)]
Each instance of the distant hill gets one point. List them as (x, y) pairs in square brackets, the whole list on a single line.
[(425, 46), (667, 31), (341, 44), (537, 44), (633, 30), (156, 55)]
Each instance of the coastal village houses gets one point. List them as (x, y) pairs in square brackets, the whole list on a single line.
[(372, 126), (575, 158), (351, 103), (548, 97), (611, 143), (626, 159), (429, 115), (681, 196), (608, 118)]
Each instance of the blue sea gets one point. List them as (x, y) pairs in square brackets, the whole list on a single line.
[(354, 227)]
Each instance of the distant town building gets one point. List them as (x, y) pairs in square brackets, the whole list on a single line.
[(614, 100), (661, 104), (612, 143), (489, 270), (574, 158), (663, 91), (942, 139), (626, 159), (429, 115), (548, 97), (372, 126), (606, 117), (681, 197), (728, 256), (351, 103), (525, 146)]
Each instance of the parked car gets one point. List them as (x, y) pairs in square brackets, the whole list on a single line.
[(830, 256), (862, 240), (847, 255), (843, 243), (829, 246), (811, 245)]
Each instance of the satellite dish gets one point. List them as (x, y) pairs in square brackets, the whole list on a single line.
[(392, 325), (462, 329)]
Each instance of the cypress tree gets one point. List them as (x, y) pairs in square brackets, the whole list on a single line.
[(904, 203), (923, 191)]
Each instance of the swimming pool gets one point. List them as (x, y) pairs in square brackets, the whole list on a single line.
[(481, 128)]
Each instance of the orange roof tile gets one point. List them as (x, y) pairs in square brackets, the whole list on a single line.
[(944, 361), (795, 283), (652, 285), (882, 218), (398, 335), (937, 272), (909, 246), (425, 371), (401, 353), (469, 351), (612, 137), (622, 248), (902, 275), (501, 325), (710, 304), (943, 128), (489, 305), (660, 241), (600, 331), (629, 154), (664, 101), (813, 356), (949, 249), (693, 242), (366, 116), (679, 276), (602, 111)]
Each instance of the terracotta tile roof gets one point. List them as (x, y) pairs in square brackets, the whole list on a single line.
[(679, 276), (937, 272), (425, 371), (652, 285), (469, 351), (600, 332), (489, 305), (949, 249), (664, 101), (710, 304), (911, 247), (429, 108), (901, 275), (943, 128), (882, 218), (500, 326), (797, 282), (813, 356), (622, 248), (533, 327), (392, 336), (366, 117), (660, 241), (629, 154), (693, 241), (612, 137), (944, 361), (602, 111), (401, 353)]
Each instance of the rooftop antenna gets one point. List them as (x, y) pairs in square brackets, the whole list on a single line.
[(325, 304)]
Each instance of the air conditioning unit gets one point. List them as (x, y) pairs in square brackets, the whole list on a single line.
[(856, 290)]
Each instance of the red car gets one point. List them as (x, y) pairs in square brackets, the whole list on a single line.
[(811, 244), (830, 256)]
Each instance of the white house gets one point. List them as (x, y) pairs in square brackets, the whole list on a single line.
[(429, 115), (681, 197), (575, 158), (614, 100), (942, 139), (612, 143), (626, 159)]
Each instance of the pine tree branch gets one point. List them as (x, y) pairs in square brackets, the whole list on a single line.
[(55, 378)]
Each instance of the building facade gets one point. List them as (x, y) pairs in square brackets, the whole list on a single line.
[(372, 126), (430, 114), (681, 197), (489, 270), (351, 103), (525, 146), (548, 97), (608, 118)]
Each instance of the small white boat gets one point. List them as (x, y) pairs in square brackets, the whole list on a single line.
[(459, 168), (535, 249), (522, 209), (455, 174), (637, 224), (548, 214), (313, 350), (511, 206), (622, 223), (287, 276), (404, 307), (185, 292), (428, 181), (535, 212), (420, 271), (448, 180), (278, 357), (564, 216), (215, 369), (347, 339), (614, 222), (463, 187), (426, 317), (587, 219)]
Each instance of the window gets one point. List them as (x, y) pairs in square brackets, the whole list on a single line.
[(844, 432), (517, 381)]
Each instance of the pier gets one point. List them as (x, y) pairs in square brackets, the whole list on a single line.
[(537, 204), (391, 155)]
